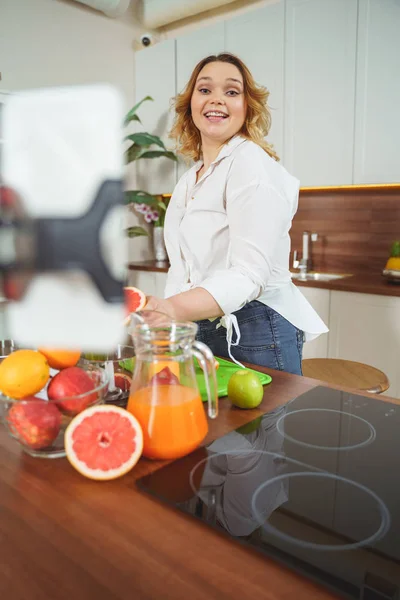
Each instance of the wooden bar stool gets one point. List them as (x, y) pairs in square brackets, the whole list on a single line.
[(347, 373)]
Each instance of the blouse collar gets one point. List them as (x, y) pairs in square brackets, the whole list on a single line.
[(225, 151)]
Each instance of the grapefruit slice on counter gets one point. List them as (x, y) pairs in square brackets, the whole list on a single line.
[(103, 442)]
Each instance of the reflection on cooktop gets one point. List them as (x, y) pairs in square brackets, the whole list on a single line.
[(363, 432), (312, 484)]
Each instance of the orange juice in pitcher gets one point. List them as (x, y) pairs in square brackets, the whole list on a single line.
[(164, 395)]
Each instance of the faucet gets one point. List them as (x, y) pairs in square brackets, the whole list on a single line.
[(305, 263)]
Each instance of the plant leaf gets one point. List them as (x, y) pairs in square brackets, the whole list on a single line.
[(161, 206), (157, 154), (136, 231), (139, 197), (145, 139), (132, 153), (131, 116)]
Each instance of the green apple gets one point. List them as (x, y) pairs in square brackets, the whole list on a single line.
[(245, 389)]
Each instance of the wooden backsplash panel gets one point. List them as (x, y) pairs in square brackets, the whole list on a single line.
[(355, 227)]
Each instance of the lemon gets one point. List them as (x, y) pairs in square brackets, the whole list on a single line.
[(245, 389), (23, 373)]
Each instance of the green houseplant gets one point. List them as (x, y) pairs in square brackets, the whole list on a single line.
[(144, 145)]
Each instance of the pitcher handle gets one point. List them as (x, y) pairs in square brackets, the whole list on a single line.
[(207, 362)]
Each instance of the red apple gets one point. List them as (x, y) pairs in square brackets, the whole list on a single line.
[(164, 377), (66, 387), (35, 421)]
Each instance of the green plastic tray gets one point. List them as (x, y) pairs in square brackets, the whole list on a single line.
[(224, 372)]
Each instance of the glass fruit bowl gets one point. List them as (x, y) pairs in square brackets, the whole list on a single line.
[(39, 423), (6, 348), (120, 378)]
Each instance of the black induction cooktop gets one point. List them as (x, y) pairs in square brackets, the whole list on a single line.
[(314, 484)]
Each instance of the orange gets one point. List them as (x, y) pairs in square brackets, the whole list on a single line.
[(103, 442), (393, 263), (60, 359), (158, 365), (23, 373)]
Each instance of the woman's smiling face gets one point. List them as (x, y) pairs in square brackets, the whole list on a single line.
[(218, 102)]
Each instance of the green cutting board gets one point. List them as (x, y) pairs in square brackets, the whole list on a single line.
[(224, 373)]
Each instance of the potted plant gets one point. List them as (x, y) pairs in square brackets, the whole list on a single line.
[(144, 145)]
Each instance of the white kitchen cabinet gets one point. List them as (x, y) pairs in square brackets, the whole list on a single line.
[(320, 301), (331, 67), (320, 61), (155, 77), (152, 283), (161, 281), (366, 328), (257, 37), (143, 280), (195, 45), (190, 49), (377, 126)]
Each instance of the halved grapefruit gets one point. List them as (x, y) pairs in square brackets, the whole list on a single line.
[(103, 442), (135, 300)]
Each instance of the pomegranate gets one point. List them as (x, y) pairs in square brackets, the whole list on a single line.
[(70, 389), (35, 422)]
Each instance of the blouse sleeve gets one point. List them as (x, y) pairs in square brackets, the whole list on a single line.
[(258, 217)]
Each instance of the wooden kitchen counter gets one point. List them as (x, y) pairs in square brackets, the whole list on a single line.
[(372, 283), (149, 265), (365, 283), (65, 537)]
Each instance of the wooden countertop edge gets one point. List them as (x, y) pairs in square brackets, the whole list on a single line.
[(149, 265), (358, 283), (347, 187)]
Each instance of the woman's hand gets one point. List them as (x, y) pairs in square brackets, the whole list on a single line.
[(161, 305), (193, 305)]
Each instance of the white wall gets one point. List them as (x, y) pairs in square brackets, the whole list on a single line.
[(208, 17), (56, 42), (52, 42)]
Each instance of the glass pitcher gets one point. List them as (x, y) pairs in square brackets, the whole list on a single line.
[(164, 396)]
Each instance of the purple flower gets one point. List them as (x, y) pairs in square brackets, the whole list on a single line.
[(141, 208), (148, 218)]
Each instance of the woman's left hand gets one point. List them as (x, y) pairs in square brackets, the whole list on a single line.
[(161, 305)]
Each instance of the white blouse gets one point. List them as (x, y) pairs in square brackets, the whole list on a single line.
[(229, 234)]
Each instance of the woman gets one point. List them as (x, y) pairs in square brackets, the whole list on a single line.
[(227, 224)]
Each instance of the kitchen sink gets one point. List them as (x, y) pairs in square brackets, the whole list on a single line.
[(314, 276)]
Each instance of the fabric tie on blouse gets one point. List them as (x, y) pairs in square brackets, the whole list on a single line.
[(231, 324)]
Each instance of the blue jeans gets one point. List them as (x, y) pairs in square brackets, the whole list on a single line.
[(266, 339)]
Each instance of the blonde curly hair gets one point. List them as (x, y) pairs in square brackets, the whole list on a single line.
[(258, 117)]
